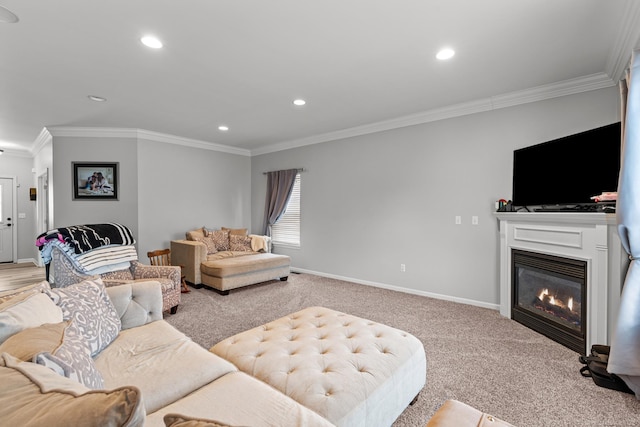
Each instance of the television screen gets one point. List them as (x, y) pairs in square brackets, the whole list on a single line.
[(568, 171)]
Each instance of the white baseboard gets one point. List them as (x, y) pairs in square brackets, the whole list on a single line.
[(31, 260), (400, 289)]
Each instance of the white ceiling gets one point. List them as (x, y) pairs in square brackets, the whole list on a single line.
[(360, 64)]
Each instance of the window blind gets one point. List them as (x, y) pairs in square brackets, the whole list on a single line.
[(287, 230)]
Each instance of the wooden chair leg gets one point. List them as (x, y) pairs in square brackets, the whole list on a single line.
[(185, 289), (174, 309)]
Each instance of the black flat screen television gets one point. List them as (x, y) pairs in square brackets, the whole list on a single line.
[(568, 171)]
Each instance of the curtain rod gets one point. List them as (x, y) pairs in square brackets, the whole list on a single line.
[(298, 169)]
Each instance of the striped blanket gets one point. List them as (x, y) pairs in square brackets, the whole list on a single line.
[(84, 238)]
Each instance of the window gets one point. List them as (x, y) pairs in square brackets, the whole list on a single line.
[(287, 230)]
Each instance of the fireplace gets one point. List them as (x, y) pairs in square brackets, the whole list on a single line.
[(549, 296), (586, 236)]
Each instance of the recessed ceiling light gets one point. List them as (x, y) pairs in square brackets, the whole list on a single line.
[(151, 42), (299, 102), (97, 98), (445, 53), (223, 128), (7, 16)]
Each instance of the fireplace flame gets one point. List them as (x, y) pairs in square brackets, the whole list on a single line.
[(570, 304), (552, 301), (542, 294)]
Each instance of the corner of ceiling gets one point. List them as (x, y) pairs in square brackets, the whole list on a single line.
[(627, 40)]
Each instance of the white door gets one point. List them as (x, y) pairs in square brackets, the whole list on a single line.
[(6, 220)]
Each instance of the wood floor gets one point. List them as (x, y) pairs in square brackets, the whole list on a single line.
[(13, 276)]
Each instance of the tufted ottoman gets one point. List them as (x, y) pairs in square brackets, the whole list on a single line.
[(352, 371)]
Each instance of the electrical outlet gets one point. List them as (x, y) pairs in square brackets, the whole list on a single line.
[(458, 220), (402, 268), (474, 220)]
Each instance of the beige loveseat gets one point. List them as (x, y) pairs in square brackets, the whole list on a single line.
[(144, 371), (227, 259)]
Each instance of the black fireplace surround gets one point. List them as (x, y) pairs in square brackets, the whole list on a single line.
[(549, 296)]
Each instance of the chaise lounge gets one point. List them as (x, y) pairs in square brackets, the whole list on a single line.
[(227, 259)]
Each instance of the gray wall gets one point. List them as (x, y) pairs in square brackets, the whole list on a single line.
[(183, 188), (91, 149), (164, 189), (19, 167), (372, 202)]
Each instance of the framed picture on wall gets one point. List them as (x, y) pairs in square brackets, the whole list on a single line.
[(95, 181)]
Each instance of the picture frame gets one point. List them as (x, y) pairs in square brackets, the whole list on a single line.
[(95, 181)]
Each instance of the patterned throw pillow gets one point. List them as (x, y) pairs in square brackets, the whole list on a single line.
[(240, 243), (220, 238), (88, 304), (209, 243), (72, 358)]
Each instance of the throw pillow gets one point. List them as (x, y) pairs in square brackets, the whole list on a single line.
[(235, 231), (177, 420), (26, 310), (88, 304), (209, 243), (72, 358), (55, 401), (27, 343), (240, 243), (36, 288), (221, 239), (193, 234)]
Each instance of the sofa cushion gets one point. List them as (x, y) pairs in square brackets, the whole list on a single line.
[(454, 413), (161, 361), (195, 234), (177, 420), (89, 305), (231, 266), (34, 289), (27, 343), (239, 399), (27, 310), (54, 401)]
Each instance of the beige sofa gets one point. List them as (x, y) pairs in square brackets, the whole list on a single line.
[(229, 260), (152, 374), (150, 370)]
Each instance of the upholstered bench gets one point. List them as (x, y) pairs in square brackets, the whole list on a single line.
[(351, 371), (225, 273)]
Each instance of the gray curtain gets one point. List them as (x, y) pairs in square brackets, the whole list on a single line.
[(279, 188), (624, 359)]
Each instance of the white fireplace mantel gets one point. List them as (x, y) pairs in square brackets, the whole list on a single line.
[(591, 237)]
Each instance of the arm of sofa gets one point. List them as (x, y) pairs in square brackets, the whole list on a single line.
[(454, 413), (189, 254), (137, 303)]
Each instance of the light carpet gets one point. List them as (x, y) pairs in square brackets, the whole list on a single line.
[(473, 354)]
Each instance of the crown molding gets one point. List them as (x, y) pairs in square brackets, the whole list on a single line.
[(43, 139), (540, 93), (92, 132), (628, 39)]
